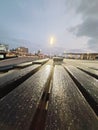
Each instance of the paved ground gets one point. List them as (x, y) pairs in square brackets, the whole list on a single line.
[(50, 96)]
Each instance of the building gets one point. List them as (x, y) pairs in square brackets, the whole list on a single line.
[(3, 48), (3, 51), (22, 51), (82, 56)]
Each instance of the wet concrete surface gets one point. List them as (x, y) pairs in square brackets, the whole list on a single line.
[(88, 84), (19, 62), (19, 106), (68, 109), (12, 80), (51, 98)]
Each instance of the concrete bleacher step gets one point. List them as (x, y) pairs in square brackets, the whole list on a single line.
[(12, 80), (42, 61), (23, 65), (87, 85), (68, 109), (63, 98), (18, 108), (6, 68), (86, 69), (89, 71)]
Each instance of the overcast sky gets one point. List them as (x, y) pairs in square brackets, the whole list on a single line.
[(30, 23)]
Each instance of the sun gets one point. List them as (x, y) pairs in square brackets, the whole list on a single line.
[(52, 40)]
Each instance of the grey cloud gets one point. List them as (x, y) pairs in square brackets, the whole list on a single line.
[(4, 32), (93, 45), (88, 28), (71, 4), (88, 9)]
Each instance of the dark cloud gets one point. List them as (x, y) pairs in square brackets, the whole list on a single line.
[(88, 9), (88, 28)]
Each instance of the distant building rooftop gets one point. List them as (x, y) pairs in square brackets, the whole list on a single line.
[(3, 47)]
